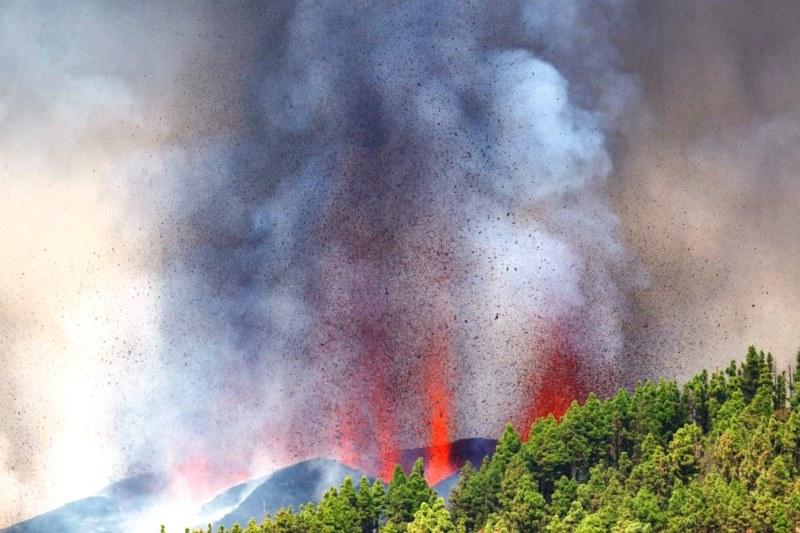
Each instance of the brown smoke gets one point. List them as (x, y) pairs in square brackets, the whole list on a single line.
[(708, 180)]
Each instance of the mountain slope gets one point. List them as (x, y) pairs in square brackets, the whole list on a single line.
[(291, 486), (107, 512)]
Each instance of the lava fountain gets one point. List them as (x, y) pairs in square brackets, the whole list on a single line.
[(557, 378), (438, 395)]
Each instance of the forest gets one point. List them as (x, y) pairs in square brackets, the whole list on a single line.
[(721, 453)]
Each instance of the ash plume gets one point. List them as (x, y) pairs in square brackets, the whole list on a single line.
[(239, 236), (358, 228), (417, 211), (708, 187)]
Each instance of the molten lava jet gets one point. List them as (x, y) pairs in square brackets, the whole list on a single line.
[(370, 426), (438, 396), (366, 429), (366, 419), (557, 378)]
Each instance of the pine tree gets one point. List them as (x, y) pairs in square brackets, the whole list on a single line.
[(696, 399), (406, 494), (432, 517), (795, 397), (685, 452), (750, 373), (465, 498), (687, 510), (367, 508), (418, 489), (521, 504), (761, 403), (779, 393), (546, 453), (617, 413), (396, 511)]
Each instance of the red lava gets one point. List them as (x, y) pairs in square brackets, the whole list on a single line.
[(438, 396), (557, 378)]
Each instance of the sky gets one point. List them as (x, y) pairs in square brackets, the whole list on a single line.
[(237, 235)]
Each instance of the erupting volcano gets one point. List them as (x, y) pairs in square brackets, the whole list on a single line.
[(367, 430), (239, 236), (434, 264), (367, 420)]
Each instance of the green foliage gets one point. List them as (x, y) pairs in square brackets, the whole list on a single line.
[(432, 518), (405, 495), (722, 453)]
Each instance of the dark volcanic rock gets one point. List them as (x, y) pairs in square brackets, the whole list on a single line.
[(461, 451)]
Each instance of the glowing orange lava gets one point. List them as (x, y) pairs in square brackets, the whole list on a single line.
[(438, 395), (557, 380), (365, 429)]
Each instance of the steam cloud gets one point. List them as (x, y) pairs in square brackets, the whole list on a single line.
[(235, 238)]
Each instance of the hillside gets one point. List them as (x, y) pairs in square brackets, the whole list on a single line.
[(115, 508)]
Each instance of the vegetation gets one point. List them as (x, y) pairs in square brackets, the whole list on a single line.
[(720, 454)]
